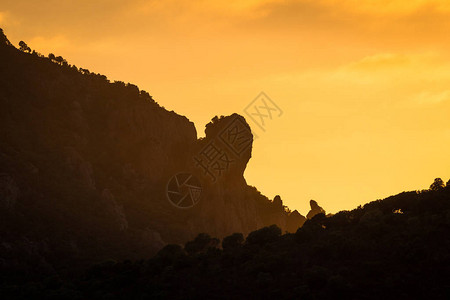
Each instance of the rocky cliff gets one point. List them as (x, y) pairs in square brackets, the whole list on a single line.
[(87, 166)]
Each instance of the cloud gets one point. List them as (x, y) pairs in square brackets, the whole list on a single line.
[(392, 68), (428, 97), (387, 7), (378, 22), (393, 22), (374, 7), (381, 61), (202, 7)]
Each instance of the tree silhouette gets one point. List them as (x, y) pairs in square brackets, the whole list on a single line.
[(437, 185), (60, 60), (264, 235), (24, 47), (170, 253), (86, 71), (201, 243), (233, 241)]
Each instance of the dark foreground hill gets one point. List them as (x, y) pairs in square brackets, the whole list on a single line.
[(397, 248)]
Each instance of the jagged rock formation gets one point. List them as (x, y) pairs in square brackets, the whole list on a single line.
[(87, 162), (315, 209), (229, 205), (294, 221)]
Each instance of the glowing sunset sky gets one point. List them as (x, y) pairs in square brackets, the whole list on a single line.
[(364, 85)]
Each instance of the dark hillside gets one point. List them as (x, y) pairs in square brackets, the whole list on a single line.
[(397, 248)]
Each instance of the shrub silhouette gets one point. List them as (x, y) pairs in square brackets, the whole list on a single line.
[(170, 253), (264, 235), (201, 244), (233, 241)]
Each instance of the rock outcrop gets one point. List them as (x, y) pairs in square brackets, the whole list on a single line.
[(315, 209)]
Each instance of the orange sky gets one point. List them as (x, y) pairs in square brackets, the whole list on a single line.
[(364, 85)]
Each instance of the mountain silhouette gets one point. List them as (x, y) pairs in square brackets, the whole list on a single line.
[(85, 167), (104, 194)]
